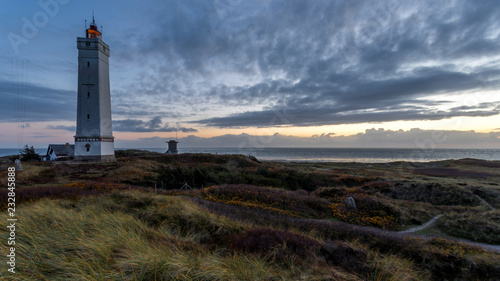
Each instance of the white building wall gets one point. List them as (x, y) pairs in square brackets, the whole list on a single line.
[(108, 148), (105, 99), (98, 150), (94, 102)]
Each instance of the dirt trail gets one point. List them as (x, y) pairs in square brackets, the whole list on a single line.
[(488, 247), (409, 232), (423, 226), (485, 203)]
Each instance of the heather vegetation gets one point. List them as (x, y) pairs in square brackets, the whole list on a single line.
[(245, 219), (480, 227)]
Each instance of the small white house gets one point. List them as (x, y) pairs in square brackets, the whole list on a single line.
[(60, 151)]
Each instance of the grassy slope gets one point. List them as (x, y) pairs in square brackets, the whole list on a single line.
[(136, 236)]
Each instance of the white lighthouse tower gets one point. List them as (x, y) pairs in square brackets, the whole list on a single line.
[(94, 139)]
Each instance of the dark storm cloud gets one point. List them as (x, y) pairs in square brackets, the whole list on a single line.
[(153, 125), (390, 99), (314, 62), (329, 62), (325, 116), (29, 103)]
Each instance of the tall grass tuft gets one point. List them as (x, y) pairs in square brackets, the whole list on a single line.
[(130, 235)]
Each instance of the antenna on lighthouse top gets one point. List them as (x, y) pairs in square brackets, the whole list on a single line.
[(92, 31)]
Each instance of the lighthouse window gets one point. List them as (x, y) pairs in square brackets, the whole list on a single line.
[(88, 116), (88, 64), (88, 147), (88, 94)]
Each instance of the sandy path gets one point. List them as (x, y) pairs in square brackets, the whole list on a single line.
[(489, 247), (423, 226), (485, 203)]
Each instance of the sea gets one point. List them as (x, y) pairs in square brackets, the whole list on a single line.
[(361, 155)]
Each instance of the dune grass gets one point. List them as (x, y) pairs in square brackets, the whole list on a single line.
[(136, 236), (132, 235), (259, 221)]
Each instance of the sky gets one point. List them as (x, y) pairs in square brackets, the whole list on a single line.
[(269, 73)]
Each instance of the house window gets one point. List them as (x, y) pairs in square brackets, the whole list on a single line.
[(88, 64), (88, 44), (88, 116), (88, 95)]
